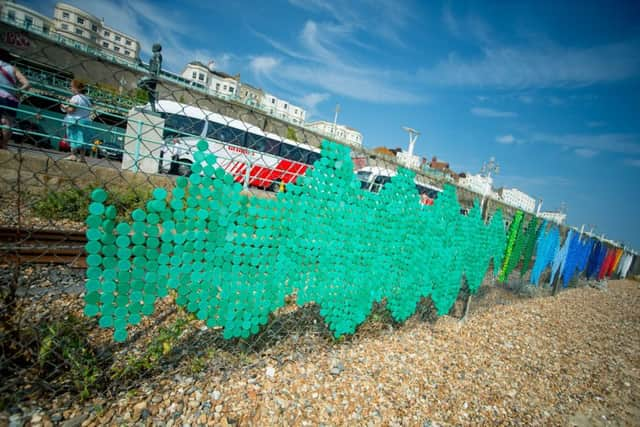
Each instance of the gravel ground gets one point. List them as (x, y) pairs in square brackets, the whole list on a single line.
[(573, 359)]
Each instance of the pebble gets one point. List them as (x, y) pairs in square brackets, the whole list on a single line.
[(270, 372)]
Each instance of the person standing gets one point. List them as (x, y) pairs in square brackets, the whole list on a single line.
[(10, 76), (78, 110)]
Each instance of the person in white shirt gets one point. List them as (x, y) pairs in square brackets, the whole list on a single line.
[(9, 78), (78, 110)]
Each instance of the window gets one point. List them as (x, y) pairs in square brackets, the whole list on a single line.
[(230, 89), (285, 106), (201, 77), (28, 21), (116, 48), (294, 153), (64, 26), (263, 144), (65, 15), (127, 42), (11, 14), (45, 29), (194, 75), (80, 20), (177, 125), (217, 87), (224, 87), (105, 44), (94, 28), (224, 133), (126, 52), (117, 38), (313, 156), (107, 33), (273, 101), (79, 31)]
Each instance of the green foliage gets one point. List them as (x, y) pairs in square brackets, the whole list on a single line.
[(160, 346), (73, 203), (66, 356), (291, 134)]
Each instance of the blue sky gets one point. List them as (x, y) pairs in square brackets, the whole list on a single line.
[(550, 89)]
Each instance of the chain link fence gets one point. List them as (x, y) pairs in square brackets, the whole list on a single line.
[(194, 233)]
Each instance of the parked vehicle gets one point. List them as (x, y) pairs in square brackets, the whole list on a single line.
[(374, 178), (251, 155), (110, 148)]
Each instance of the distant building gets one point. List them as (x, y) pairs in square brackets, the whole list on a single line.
[(557, 217), (517, 198), (74, 24), (283, 109), (219, 83), (250, 95), (25, 17), (338, 132), (478, 183)]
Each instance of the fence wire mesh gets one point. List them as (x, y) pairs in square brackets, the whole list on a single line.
[(115, 207)]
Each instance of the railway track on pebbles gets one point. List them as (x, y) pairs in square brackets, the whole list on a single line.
[(43, 246)]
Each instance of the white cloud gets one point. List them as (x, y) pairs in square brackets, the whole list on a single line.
[(526, 99), (539, 67), (586, 152), (263, 64), (325, 65), (633, 162), (311, 100), (608, 142), (489, 112), (506, 139), (385, 19), (596, 124)]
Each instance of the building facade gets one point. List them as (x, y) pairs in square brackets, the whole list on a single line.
[(250, 95), (283, 109), (20, 15), (517, 198), (79, 25), (557, 217), (337, 132), (220, 84), (477, 183), (74, 24)]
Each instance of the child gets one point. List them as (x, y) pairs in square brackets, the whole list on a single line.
[(78, 111)]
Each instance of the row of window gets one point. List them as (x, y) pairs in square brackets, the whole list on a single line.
[(28, 20), (177, 125), (94, 28)]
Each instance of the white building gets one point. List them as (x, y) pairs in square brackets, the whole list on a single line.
[(22, 16), (557, 217), (478, 183), (74, 24), (517, 198), (337, 132), (79, 25), (283, 109), (220, 84)]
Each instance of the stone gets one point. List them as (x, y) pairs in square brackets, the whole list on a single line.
[(75, 421), (215, 395), (271, 372)]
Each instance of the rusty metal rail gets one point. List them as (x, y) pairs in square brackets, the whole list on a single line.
[(43, 246)]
